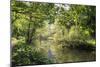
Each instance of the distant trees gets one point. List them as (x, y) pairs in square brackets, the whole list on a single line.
[(80, 16)]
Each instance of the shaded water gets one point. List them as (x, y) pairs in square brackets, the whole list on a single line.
[(63, 55)]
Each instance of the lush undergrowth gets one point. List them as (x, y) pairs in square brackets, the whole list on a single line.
[(23, 54), (80, 45)]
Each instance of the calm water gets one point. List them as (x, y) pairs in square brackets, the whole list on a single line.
[(63, 55)]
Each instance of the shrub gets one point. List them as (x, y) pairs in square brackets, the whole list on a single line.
[(80, 45), (25, 54)]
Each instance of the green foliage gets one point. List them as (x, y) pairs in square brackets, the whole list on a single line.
[(80, 45), (25, 54), (34, 24)]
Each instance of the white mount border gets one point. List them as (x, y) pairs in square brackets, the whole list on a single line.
[(81, 2)]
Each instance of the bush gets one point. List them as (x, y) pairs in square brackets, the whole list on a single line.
[(80, 45), (25, 54)]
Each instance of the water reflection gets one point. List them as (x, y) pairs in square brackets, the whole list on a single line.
[(64, 55)]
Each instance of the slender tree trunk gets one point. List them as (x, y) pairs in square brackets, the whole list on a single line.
[(40, 39), (29, 36), (32, 35)]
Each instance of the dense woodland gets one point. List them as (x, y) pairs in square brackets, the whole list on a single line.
[(47, 33)]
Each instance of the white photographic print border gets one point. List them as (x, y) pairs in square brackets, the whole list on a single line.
[(84, 2)]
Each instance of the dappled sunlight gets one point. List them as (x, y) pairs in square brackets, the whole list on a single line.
[(48, 33)]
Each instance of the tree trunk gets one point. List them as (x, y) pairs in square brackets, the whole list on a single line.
[(30, 32)]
